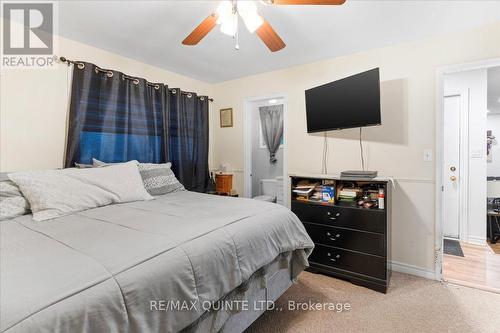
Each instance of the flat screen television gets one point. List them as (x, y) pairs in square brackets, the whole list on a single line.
[(350, 102)]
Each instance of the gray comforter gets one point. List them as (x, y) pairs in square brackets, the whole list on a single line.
[(107, 269)]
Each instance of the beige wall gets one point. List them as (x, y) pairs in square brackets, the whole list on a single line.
[(34, 104), (408, 75)]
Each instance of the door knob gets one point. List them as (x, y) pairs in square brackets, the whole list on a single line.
[(453, 168), (453, 178)]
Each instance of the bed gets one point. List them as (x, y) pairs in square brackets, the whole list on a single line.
[(164, 265)]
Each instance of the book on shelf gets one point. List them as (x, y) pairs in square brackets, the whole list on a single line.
[(304, 187), (301, 191), (317, 191), (304, 190), (349, 194)]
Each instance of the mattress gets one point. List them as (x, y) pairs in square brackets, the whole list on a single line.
[(155, 266)]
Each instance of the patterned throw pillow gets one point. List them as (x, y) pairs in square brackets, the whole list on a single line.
[(12, 201), (158, 179)]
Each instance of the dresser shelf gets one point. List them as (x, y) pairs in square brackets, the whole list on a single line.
[(337, 204), (351, 242)]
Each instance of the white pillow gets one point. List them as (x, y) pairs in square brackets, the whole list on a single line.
[(12, 202), (157, 178), (54, 193)]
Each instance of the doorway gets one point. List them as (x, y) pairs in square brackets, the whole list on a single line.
[(452, 166), (265, 168), (468, 97)]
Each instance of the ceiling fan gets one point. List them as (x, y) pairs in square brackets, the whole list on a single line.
[(228, 13)]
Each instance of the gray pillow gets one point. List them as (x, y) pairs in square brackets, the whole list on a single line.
[(12, 201), (157, 178)]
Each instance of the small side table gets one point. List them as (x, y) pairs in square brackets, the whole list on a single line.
[(223, 183)]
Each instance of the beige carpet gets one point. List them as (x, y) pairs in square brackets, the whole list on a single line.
[(412, 305)]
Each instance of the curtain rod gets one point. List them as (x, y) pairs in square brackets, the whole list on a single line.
[(72, 62)]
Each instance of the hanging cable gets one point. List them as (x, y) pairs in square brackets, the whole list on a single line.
[(324, 169), (361, 148)]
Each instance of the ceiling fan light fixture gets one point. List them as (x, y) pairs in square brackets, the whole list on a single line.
[(248, 12), (224, 11), (227, 18), (228, 13), (252, 22), (229, 25)]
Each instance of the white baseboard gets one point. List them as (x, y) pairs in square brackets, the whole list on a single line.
[(476, 240), (412, 270)]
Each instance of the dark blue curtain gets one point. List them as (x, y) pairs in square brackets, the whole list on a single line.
[(188, 139), (116, 118)]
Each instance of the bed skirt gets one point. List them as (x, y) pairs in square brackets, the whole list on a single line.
[(259, 293)]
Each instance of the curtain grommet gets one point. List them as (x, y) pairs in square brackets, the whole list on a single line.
[(157, 86), (189, 95), (174, 91), (202, 98), (109, 74), (80, 65), (136, 81)]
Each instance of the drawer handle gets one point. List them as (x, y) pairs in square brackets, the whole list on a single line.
[(333, 259), (333, 218), (332, 238)]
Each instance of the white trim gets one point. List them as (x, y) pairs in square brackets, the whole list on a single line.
[(440, 73), (412, 270), (415, 180), (464, 165), (227, 171), (247, 165), (477, 240)]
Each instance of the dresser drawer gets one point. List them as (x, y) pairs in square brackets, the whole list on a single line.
[(355, 218), (365, 264), (367, 242)]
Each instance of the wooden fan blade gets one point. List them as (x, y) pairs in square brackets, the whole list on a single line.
[(270, 37), (201, 30), (307, 2)]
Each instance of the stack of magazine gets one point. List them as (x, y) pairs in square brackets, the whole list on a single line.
[(304, 191), (349, 194), (308, 191)]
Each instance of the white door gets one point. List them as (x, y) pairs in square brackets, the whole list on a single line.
[(451, 163)]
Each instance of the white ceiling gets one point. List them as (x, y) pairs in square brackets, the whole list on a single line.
[(152, 31)]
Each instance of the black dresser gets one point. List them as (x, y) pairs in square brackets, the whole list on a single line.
[(351, 242)]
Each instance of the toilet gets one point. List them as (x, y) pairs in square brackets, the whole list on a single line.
[(271, 190)]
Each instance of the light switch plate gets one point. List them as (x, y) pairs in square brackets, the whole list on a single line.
[(427, 155)]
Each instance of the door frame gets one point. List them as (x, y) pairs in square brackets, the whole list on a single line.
[(463, 170), (247, 136), (439, 194)]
